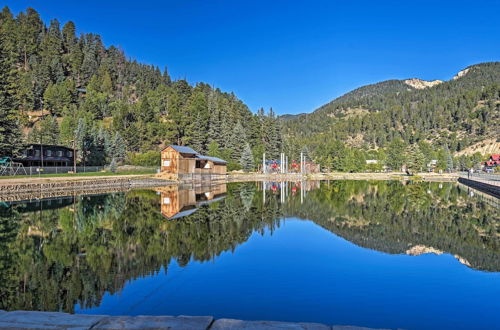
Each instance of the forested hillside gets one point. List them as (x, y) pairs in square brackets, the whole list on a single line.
[(57, 86), (397, 124)]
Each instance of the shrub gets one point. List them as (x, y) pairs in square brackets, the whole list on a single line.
[(149, 158)]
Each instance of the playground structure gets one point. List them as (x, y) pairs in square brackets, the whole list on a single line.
[(9, 167), (283, 166)]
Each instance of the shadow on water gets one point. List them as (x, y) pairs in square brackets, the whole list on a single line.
[(61, 252)]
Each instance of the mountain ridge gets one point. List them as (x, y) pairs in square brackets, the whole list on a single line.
[(411, 82), (438, 117)]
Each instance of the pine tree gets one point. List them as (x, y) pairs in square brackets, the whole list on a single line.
[(214, 150), (214, 126), (449, 158), (246, 160), (415, 159), (30, 30), (118, 151), (113, 166), (10, 133), (237, 142), (80, 138), (395, 154)]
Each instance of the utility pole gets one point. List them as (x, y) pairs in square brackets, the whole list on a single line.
[(74, 157), (264, 163), (41, 140)]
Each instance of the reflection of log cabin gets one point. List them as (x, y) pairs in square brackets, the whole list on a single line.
[(177, 202), (180, 160)]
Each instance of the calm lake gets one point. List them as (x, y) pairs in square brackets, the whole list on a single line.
[(376, 254)]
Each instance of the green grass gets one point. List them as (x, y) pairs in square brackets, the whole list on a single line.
[(91, 174)]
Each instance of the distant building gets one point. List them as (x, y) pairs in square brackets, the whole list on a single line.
[(181, 161), (52, 155), (371, 161), (432, 164), (493, 162)]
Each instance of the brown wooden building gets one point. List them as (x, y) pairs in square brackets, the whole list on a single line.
[(180, 160)]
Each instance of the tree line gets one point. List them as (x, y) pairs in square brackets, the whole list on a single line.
[(62, 88)]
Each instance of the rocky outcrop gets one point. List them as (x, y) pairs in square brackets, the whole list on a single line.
[(421, 84), (460, 74), (422, 249)]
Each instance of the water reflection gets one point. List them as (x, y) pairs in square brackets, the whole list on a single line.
[(58, 253), (178, 201)]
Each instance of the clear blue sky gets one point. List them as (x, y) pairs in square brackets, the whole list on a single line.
[(290, 55)]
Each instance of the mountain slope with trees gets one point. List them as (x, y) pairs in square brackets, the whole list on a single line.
[(57, 87), (391, 118)]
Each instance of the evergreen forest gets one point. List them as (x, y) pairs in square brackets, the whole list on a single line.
[(60, 87)]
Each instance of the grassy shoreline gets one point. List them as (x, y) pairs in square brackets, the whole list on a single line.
[(76, 175), (232, 177)]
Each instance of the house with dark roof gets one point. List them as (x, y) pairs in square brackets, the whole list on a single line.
[(46, 155), (182, 160)]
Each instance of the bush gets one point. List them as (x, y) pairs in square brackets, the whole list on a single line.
[(233, 166), (149, 158)]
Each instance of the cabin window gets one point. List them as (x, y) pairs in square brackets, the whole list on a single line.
[(166, 200), (49, 153), (207, 165), (70, 153), (37, 153), (59, 153), (166, 163)]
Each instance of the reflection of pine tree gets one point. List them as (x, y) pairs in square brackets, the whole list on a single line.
[(246, 194), (9, 257)]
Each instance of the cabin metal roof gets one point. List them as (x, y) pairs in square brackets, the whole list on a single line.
[(213, 159), (182, 214), (190, 151), (183, 149)]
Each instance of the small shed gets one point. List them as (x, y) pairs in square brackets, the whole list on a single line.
[(181, 160)]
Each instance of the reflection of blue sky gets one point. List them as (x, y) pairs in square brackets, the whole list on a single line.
[(302, 272)]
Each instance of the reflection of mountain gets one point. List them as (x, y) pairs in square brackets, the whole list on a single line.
[(393, 218), (52, 258)]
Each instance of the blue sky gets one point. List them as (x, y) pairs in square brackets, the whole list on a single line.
[(290, 55)]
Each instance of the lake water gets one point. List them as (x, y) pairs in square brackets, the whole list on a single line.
[(375, 254)]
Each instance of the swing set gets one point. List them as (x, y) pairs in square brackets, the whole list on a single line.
[(9, 167)]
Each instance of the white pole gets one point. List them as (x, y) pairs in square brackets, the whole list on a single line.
[(264, 163), (301, 192), (263, 193), (301, 163), (281, 165)]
